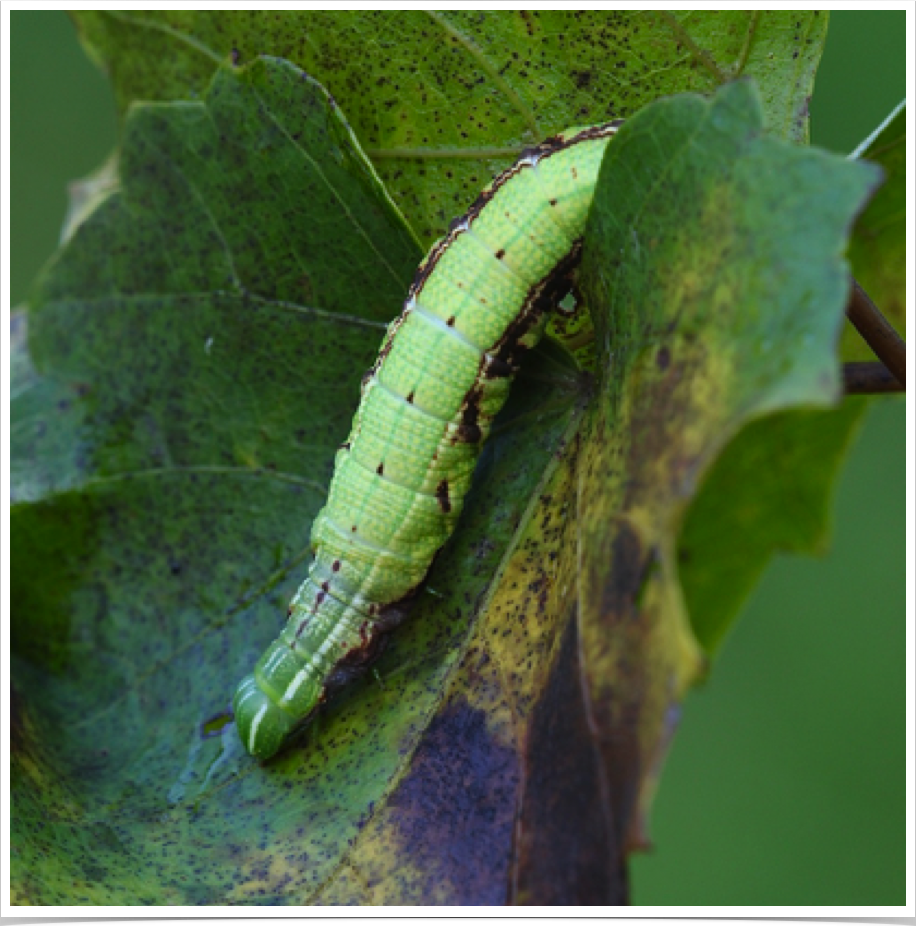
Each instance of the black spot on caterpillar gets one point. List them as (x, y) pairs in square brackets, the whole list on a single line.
[(442, 495)]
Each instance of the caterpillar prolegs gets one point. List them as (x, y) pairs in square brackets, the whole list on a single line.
[(479, 300)]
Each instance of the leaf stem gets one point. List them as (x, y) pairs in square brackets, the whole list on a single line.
[(869, 379), (741, 63), (878, 333)]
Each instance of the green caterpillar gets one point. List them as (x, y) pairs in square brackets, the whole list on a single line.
[(479, 301)]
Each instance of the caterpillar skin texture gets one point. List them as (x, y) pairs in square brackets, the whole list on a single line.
[(477, 304)]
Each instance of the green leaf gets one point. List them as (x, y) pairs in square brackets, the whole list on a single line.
[(714, 267), (192, 362), (771, 490), (194, 356), (444, 99), (877, 249)]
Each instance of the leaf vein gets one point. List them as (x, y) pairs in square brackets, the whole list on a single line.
[(477, 53), (333, 190)]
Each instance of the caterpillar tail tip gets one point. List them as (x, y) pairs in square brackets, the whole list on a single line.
[(262, 726)]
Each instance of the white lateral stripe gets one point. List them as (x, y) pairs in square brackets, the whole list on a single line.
[(351, 538), (308, 669), (401, 398), (254, 728), (437, 322), (386, 478), (296, 683), (484, 248)]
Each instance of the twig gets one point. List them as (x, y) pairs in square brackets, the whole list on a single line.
[(869, 379), (888, 346)]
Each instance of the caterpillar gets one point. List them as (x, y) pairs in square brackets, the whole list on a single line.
[(479, 300)]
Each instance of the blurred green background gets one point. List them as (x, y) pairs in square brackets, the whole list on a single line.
[(786, 783)]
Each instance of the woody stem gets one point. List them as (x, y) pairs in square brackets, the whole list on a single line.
[(888, 346)]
